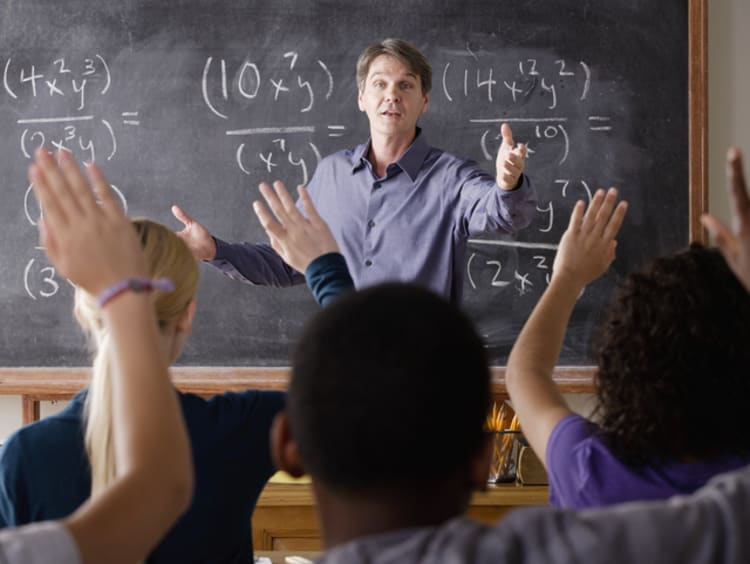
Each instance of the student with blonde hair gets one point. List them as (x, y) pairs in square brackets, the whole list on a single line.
[(174, 311), (96, 248), (46, 473)]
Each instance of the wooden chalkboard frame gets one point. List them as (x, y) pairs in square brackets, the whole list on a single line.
[(37, 384)]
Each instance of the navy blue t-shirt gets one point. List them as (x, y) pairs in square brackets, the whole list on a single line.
[(44, 473)]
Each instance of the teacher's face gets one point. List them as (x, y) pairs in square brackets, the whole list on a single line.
[(392, 97)]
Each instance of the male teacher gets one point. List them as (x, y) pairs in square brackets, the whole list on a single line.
[(399, 208)]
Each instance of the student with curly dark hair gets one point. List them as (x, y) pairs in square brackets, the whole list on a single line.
[(671, 383)]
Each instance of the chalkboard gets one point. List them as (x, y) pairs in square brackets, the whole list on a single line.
[(195, 102)]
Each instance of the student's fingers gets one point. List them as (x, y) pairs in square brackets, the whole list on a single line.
[(272, 200), (286, 199), (52, 183), (722, 235), (737, 188), (589, 218), (182, 216), (576, 216), (46, 197), (507, 134), (267, 220), (615, 221), (47, 240), (308, 206), (103, 190), (604, 214), (81, 194)]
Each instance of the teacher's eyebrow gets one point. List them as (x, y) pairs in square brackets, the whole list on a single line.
[(406, 74)]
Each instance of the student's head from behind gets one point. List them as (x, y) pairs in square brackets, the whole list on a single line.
[(673, 361), (401, 50), (389, 391), (166, 256)]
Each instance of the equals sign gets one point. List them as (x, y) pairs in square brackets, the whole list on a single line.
[(127, 118), (336, 130), (596, 120)]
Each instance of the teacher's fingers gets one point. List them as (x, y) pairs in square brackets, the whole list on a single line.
[(507, 134), (182, 216)]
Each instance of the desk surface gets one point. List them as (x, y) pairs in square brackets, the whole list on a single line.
[(506, 495), (279, 556)]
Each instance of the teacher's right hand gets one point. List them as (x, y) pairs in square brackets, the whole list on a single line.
[(196, 237)]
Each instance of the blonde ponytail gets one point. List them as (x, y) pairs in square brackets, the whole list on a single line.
[(166, 255)]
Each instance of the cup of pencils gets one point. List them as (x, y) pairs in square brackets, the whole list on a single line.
[(503, 424)]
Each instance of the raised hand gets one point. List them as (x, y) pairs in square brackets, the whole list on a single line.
[(511, 160), (196, 237), (298, 239), (734, 243), (587, 247), (90, 242)]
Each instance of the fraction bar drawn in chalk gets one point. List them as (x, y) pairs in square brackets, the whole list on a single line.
[(266, 130), (519, 244), (54, 120)]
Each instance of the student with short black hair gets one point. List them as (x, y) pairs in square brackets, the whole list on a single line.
[(388, 523)]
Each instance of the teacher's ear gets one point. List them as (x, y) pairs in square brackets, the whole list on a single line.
[(284, 451)]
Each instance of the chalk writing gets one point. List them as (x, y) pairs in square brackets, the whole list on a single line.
[(298, 88), (91, 137)]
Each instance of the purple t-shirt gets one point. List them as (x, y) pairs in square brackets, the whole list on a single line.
[(583, 472)]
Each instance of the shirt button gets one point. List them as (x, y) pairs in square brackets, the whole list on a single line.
[(368, 262), (376, 185), (371, 223)]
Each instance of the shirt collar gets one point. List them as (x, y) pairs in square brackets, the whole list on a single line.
[(410, 162)]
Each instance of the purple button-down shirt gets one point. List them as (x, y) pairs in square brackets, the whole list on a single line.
[(411, 225)]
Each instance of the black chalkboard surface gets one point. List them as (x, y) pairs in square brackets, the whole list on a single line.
[(195, 102)]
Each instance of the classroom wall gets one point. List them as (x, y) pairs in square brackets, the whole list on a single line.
[(728, 123)]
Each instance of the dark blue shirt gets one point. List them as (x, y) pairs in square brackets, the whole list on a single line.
[(327, 277), (411, 225), (44, 473)]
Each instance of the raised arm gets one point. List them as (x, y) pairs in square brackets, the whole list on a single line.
[(734, 243), (95, 246), (586, 250), (305, 243)]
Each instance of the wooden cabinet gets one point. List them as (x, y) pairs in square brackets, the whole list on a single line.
[(285, 517)]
